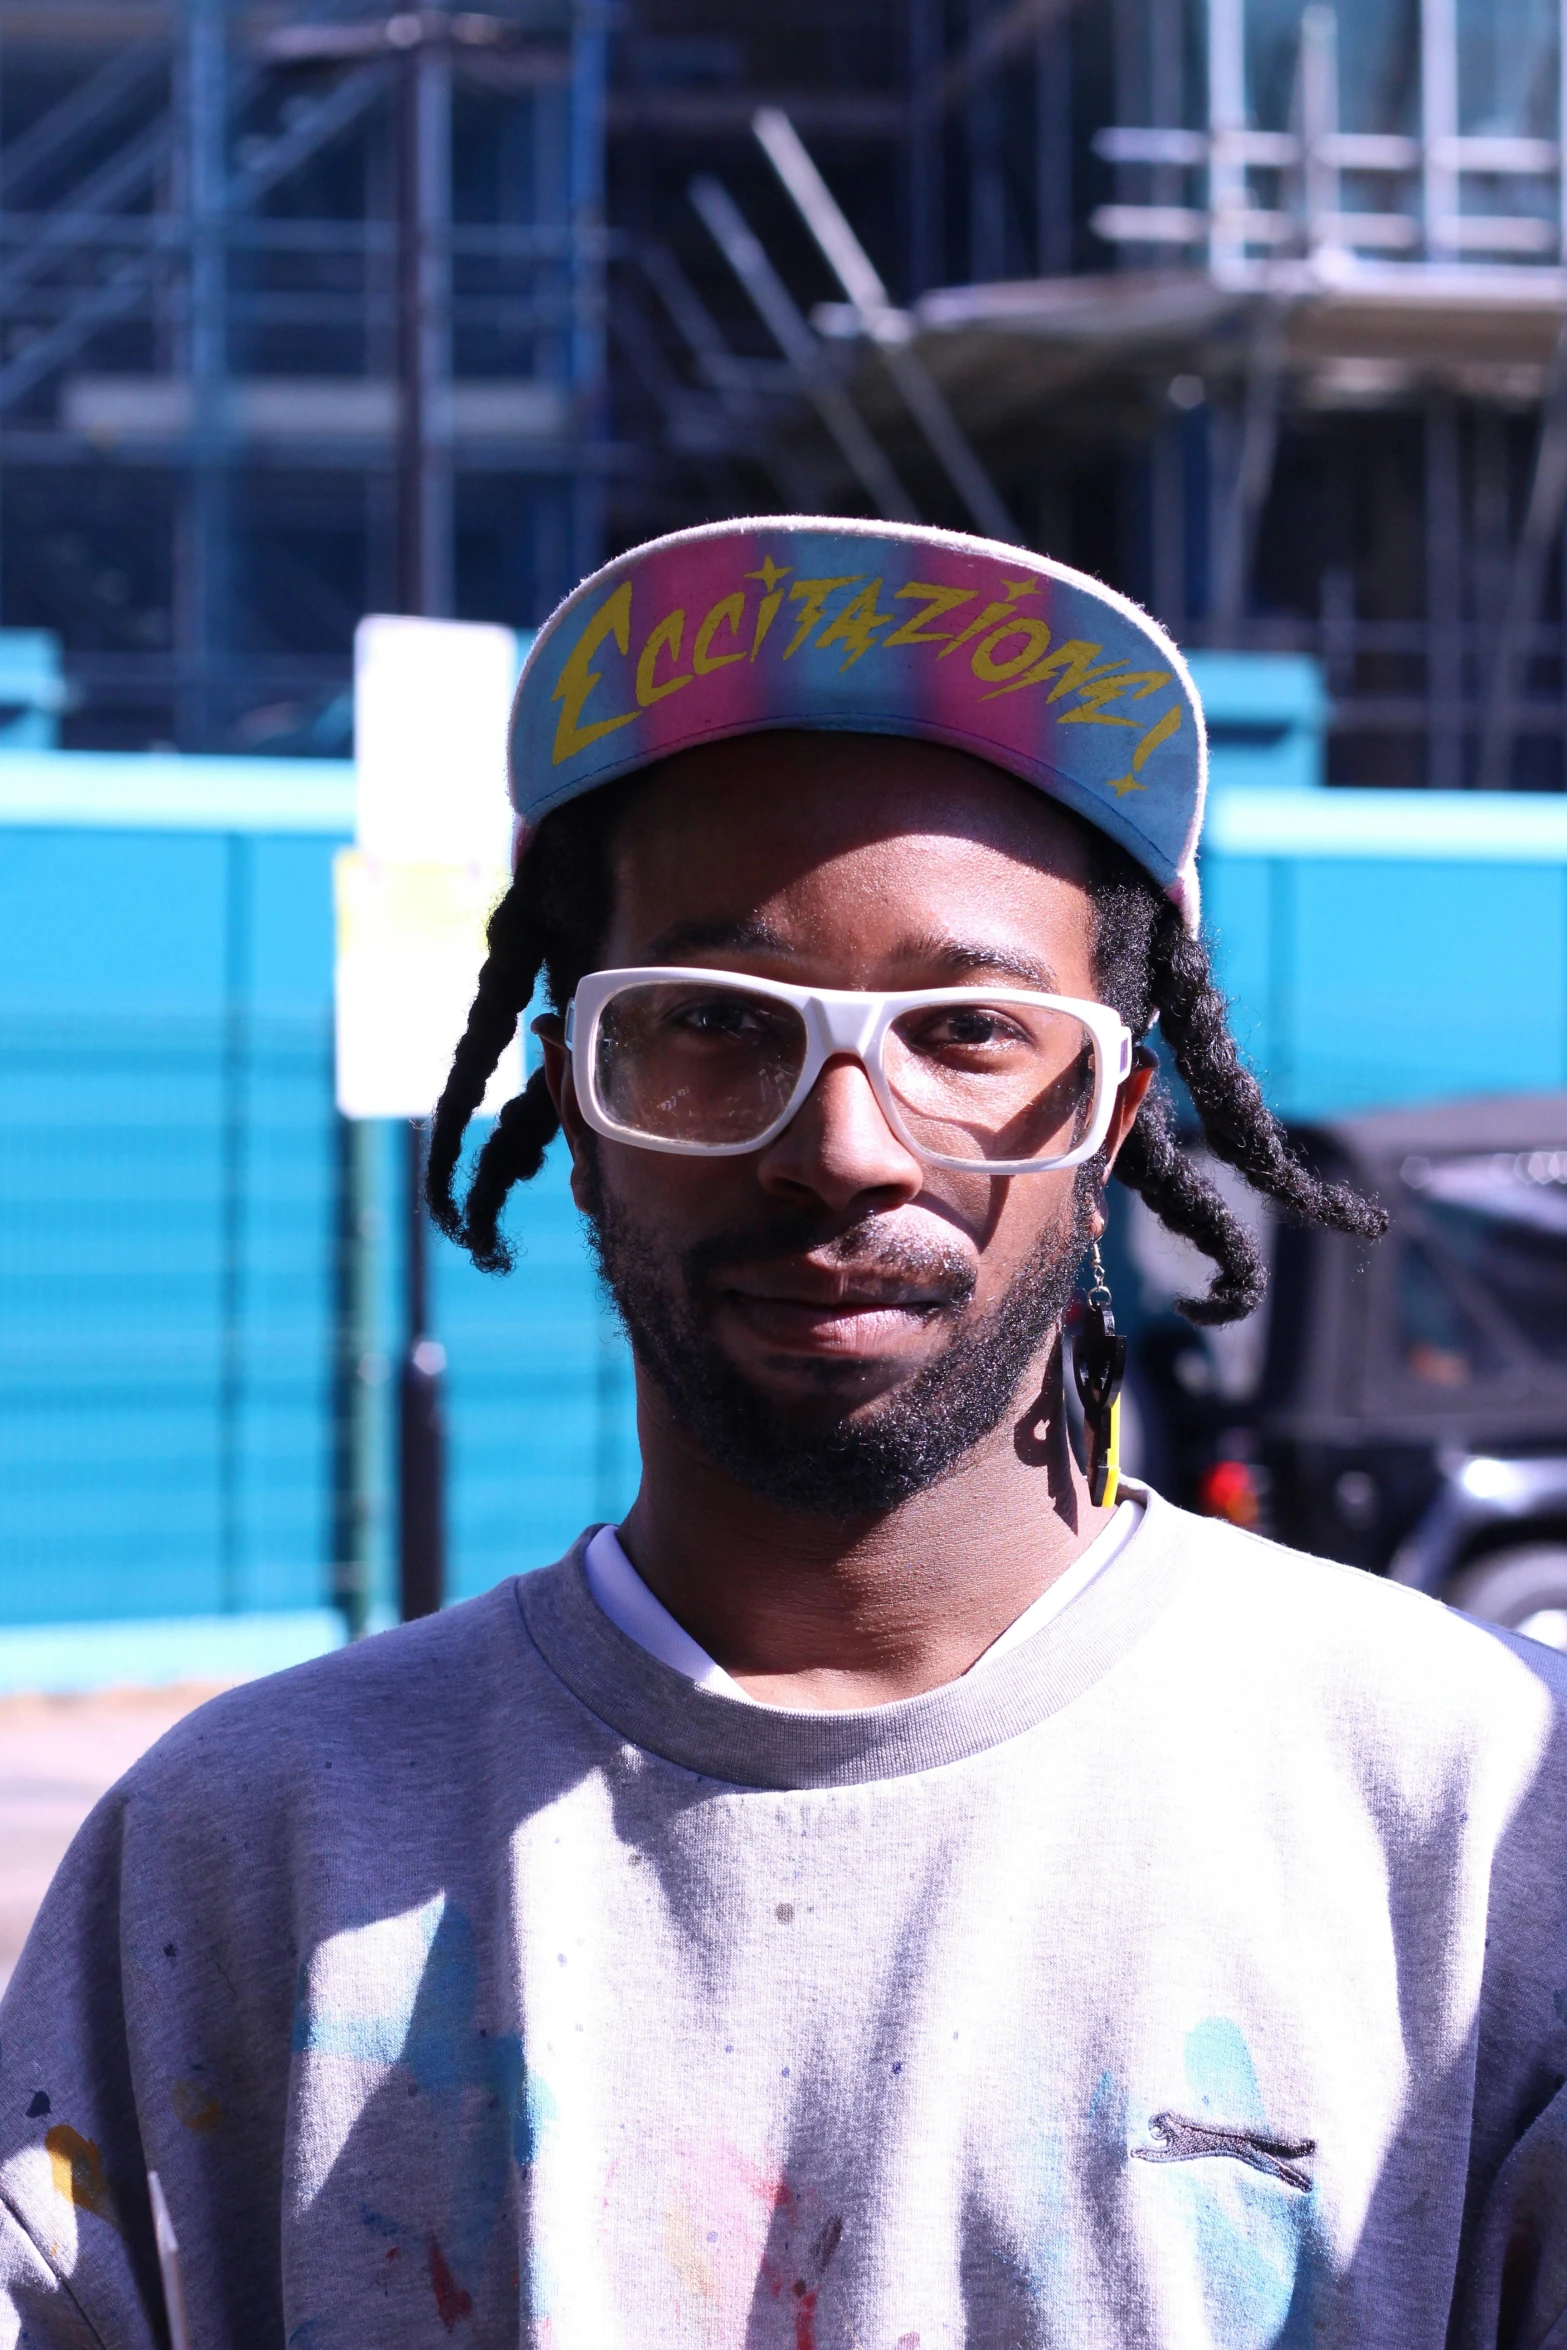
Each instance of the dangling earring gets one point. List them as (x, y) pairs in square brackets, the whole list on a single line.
[(1099, 1366)]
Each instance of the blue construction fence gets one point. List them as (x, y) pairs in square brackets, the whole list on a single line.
[(178, 1205)]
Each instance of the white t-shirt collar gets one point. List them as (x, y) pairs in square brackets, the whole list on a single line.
[(632, 1608)]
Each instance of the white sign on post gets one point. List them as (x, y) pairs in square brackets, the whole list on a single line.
[(433, 833)]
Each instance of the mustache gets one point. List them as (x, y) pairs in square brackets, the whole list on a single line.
[(864, 1246)]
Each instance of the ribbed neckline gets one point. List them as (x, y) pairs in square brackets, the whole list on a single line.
[(717, 1737)]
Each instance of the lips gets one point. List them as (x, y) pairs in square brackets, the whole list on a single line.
[(812, 1289), (837, 1312), (837, 1293)]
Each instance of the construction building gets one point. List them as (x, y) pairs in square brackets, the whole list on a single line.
[(1253, 309)]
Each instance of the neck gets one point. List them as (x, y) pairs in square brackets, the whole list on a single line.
[(818, 1612)]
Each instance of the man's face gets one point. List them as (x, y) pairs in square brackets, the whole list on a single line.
[(829, 1318)]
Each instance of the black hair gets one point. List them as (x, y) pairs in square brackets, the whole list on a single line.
[(556, 915)]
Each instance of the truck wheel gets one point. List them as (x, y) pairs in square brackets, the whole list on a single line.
[(1525, 1589)]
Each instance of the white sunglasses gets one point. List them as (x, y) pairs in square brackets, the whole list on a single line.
[(712, 1064)]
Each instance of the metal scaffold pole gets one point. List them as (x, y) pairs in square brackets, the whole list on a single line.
[(203, 599), (585, 225), (424, 513)]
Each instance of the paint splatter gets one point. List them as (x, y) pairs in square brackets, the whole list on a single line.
[(379, 2224), (688, 2259), (451, 2301), (1256, 2243), (487, 2112), (805, 2320), (195, 2105), (76, 2167), (1220, 2071), (827, 2241)]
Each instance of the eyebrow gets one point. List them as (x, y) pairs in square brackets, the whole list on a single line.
[(748, 936), (954, 957)]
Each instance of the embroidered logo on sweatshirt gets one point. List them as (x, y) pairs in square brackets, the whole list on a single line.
[(1189, 2141)]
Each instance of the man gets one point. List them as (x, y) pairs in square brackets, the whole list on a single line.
[(895, 1890)]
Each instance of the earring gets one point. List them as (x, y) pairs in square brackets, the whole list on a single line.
[(1099, 1366)]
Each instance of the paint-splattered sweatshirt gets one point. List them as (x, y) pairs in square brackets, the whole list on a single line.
[(1195, 1974)]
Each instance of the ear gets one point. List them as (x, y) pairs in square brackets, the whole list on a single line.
[(1128, 1101), (550, 1030)]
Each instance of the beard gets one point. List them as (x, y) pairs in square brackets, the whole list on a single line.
[(830, 1456)]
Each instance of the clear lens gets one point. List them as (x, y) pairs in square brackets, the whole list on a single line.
[(697, 1061), (992, 1081)]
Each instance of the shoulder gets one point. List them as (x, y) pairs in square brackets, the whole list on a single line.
[(282, 1807), (415, 1706), (1393, 1669)]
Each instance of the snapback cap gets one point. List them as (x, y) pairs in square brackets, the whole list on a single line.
[(803, 621)]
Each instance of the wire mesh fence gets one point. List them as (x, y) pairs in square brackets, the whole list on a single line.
[(199, 1322)]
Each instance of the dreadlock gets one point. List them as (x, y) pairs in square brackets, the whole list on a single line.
[(551, 920), (1149, 968), (556, 915)]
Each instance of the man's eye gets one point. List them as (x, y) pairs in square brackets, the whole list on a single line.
[(969, 1027), (718, 1022)]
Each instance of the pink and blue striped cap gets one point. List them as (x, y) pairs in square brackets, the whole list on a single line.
[(870, 628)]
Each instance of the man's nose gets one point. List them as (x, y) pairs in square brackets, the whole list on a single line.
[(839, 1149)]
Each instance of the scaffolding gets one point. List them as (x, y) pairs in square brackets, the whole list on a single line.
[(209, 217), (1253, 307)]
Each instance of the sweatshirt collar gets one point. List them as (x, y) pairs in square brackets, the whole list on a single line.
[(718, 1737)]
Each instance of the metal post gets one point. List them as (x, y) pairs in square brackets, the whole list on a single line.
[(1167, 521), (1439, 123), (1254, 448), (424, 517), (987, 187), (585, 204), (204, 600), (359, 1371), (926, 139), (1226, 117), (424, 484), (421, 1448), (1053, 151), (1444, 573), (1166, 104), (1318, 125), (1520, 612), (1561, 130), (236, 1067), (380, 316), (1337, 627)]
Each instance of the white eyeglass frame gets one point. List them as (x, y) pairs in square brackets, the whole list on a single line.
[(843, 1020)]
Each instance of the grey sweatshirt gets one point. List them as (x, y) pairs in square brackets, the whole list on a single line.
[(1195, 1974)]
